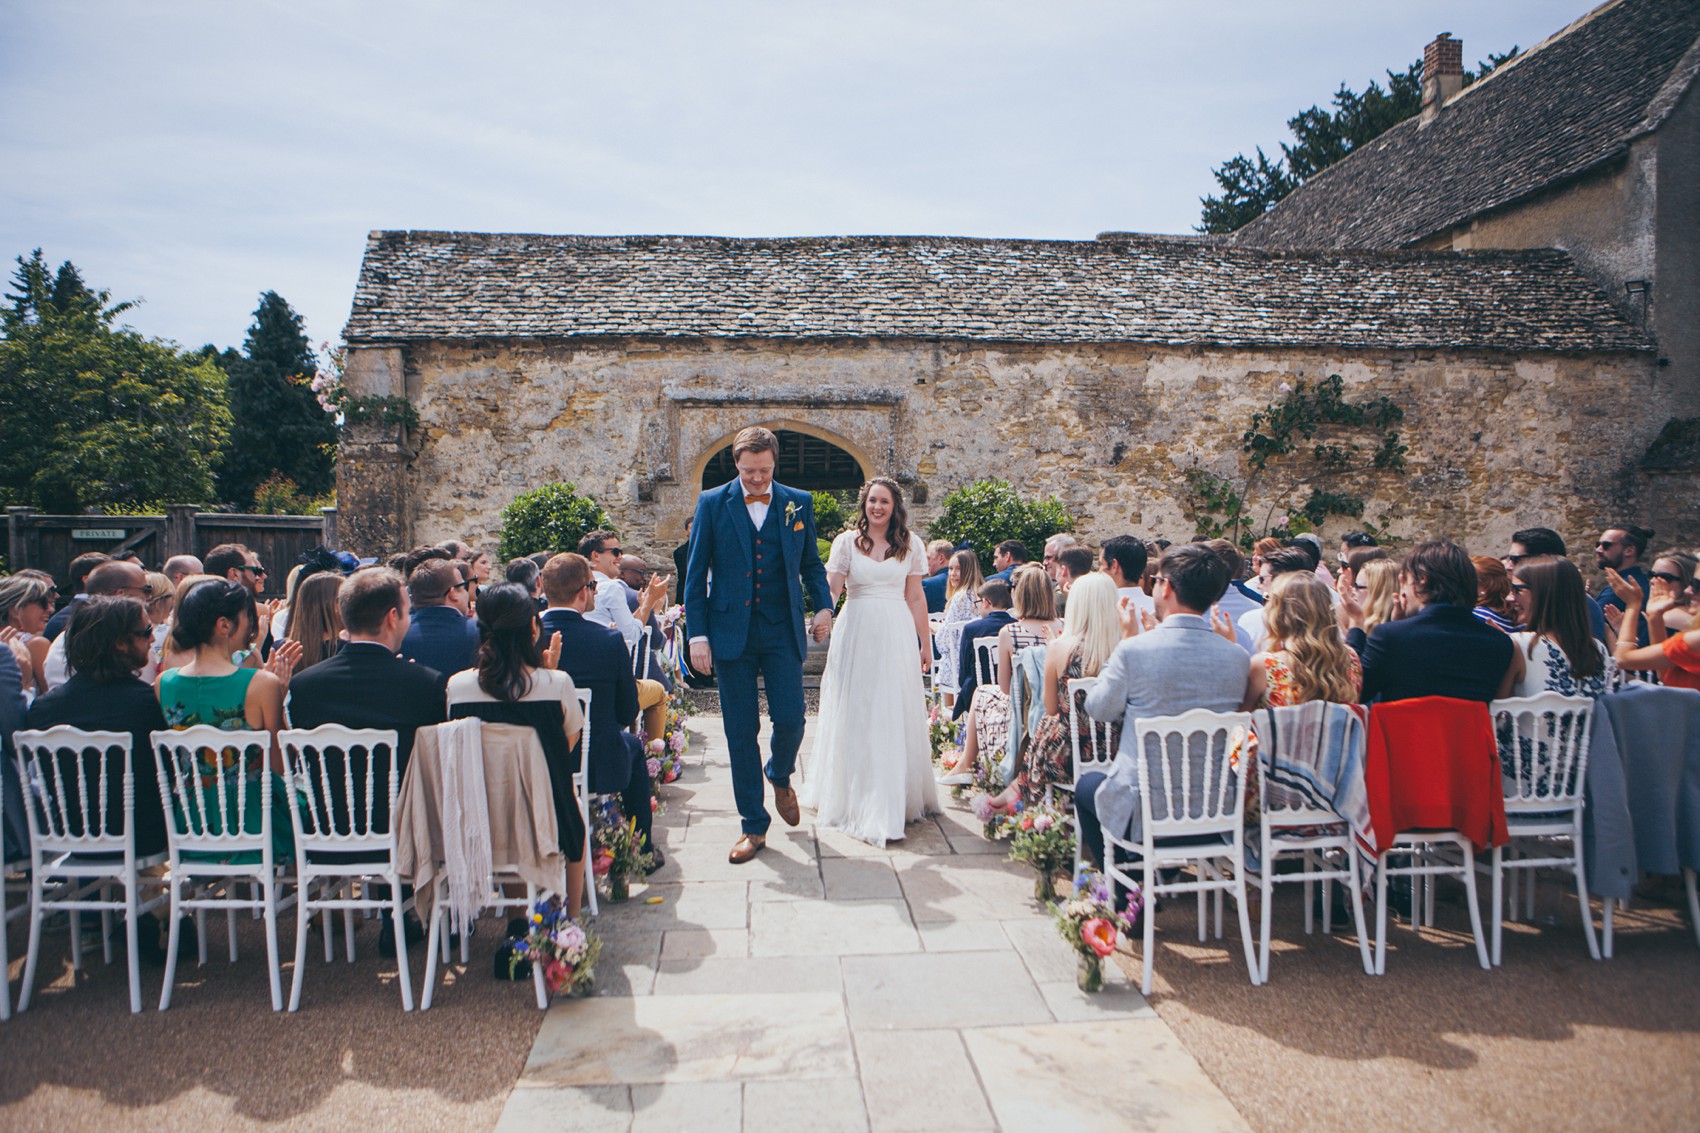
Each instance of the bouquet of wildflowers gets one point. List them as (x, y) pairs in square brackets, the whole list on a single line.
[(1090, 923), (945, 734), (566, 949), (1042, 837), (618, 859)]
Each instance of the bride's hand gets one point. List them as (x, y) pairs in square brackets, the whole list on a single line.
[(926, 656)]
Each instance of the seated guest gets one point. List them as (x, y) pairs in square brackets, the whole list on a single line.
[(1532, 541), (1559, 654), (596, 659), (1351, 563), (1238, 599), (179, 567), (1274, 563), (1051, 560), (1153, 552), (79, 572), (635, 575), (1675, 656), (1258, 550), (938, 570), (166, 654), (26, 603), (1493, 593), (214, 620), (1178, 666), (962, 593), (1672, 589), (1311, 545), (516, 682), (1353, 541), (1371, 598), (1439, 648), (525, 572), (1092, 630), (1006, 556), (314, 620), (1073, 564), (424, 554), (1124, 559), (1035, 624), (13, 706), (441, 636), (601, 549), (1623, 549), (1304, 656), (111, 579), (994, 610), (108, 640)]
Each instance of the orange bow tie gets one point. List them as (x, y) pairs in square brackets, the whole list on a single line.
[(764, 498)]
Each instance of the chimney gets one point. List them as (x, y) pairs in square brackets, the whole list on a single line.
[(1443, 73)]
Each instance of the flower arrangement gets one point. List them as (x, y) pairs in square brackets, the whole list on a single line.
[(1090, 923), (944, 733), (566, 949), (1040, 836), (617, 857)]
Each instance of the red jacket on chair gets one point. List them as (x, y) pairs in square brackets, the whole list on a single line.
[(1433, 764)]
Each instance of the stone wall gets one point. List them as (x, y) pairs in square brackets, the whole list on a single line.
[(1497, 441)]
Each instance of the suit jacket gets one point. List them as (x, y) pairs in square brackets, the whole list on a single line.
[(596, 659), (967, 672), (441, 638), (1181, 665), (1440, 650), (933, 586), (720, 543), (367, 686), (125, 705)]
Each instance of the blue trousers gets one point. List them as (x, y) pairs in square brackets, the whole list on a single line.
[(1091, 830), (771, 653)]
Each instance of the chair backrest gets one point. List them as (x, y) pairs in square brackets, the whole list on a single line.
[(1289, 758), (1092, 746), (1543, 748), (339, 775), (640, 654), (204, 785), (986, 660), (583, 695), (68, 776), (1188, 783)]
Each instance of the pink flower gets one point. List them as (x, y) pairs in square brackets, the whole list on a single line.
[(1043, 823), (570, 938), (653, 766), (1099, 935), (604, 862), (982, 807), (657, 746), (557, 975), (678, 741)]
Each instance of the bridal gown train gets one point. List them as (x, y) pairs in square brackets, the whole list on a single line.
[(871, 770)]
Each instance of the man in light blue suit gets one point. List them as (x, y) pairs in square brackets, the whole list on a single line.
[(752, 554), (1179, 665)]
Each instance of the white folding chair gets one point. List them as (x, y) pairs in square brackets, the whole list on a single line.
[(14, 883), (985, 661), (1290, 824), (1543, 755), (211, 849), (1099, 752), (337, 837), (581, 795), (1191, 806), (82, 846)]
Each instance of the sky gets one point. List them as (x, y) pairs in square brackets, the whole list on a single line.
[(196, 155)]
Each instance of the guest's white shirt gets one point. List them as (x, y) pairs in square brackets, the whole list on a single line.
[(1141, 600), (611, 609), (56, 668)]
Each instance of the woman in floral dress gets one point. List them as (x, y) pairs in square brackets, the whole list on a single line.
[(962, 596)]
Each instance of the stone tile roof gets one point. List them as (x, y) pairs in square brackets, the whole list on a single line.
[(1574, 101), (456, 285)]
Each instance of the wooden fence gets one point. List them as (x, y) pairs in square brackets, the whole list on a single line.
[(50, 542)]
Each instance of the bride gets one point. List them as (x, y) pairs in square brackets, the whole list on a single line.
[(870, 773)]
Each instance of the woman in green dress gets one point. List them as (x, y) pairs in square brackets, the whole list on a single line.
[(215, 620)]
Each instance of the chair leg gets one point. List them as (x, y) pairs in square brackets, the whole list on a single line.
[(404, 970), (273, 969), (5, 958), (1381, 916), (1582, 899), (1251, 963), (1496, 905), (230, 921), (76, 920), (303, 924), (1469, 871), (1266, 912), (348, 932), (37, 913), (1529, 899), (135, 961), (1310, 894), (201, 935), (1327, 905), (1203, 908), (171, 937), (1693, 902), (1606, 908), (105, 926), (330, 893), (1148, 916), (1357, 895)]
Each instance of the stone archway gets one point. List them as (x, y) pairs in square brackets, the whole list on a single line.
[(808, 459)]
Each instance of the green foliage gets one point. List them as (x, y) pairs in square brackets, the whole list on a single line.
[(987, 512), (830, 516), (551, 518), (95, 416), (278, 426), (1320, 138), (1306, 454), (279, 495)]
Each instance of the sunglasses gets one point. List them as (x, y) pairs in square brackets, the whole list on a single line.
[(1605, 544), (258, 570), (1360, 586), (1519, 587), (462, 585), (1512, 560), (1668, 576)]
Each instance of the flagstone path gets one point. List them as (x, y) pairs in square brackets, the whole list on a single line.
[(831, 986)]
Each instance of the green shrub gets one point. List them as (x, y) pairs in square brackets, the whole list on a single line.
[(277, 494), (551, 518), (987, 512), (830, 516)]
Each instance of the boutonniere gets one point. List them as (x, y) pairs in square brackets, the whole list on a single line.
[(791, 511)]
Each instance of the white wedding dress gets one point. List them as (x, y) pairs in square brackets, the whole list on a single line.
[(870, 773)]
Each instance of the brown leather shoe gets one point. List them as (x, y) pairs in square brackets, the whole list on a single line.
[(747, 848), (785, 802)]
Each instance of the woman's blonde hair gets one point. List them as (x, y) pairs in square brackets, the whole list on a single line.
[(1301, 622), (1034, 594), (968, 574), (1381, 590), (1091, 618), (315, 619)]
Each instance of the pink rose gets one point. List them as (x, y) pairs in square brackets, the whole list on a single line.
[(1099, 935)]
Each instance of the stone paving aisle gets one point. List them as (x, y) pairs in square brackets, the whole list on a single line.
[(831, 986)]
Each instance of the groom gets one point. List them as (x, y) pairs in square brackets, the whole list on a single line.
[(752, 552)]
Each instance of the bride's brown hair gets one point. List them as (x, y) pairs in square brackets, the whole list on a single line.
[(897, 534)]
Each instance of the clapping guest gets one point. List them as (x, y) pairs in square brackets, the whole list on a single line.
[(314, 621), (1623, 549), (1676, 656), (1493, 594), (1304, 657), (1238, 599), (1559, 653), (1439, 648), (1092, 629), (1369, 599), (1674, 600), (1273, 563), (26, 603), (1124, 559)]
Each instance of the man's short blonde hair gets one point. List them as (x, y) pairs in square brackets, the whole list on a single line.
[(940, 547), (754, 439)]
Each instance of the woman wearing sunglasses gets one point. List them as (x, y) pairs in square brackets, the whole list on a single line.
[(1676, 656)]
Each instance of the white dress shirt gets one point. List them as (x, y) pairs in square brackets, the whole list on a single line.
[(611, 609)]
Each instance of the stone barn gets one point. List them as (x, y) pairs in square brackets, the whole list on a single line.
[(1101, 371)]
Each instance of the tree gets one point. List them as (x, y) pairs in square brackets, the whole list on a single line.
[(987, 512), (1320, 138), (830, 516), (551, 518), (92, 415), (278, 426)]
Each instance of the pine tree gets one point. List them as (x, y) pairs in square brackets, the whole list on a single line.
[(278, 425)]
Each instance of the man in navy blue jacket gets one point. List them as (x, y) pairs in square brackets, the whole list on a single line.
[(440, 635), (1439, 648), (995, 601), (596, 659), (938, 574)]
